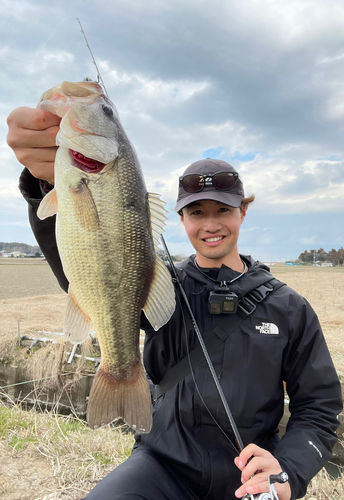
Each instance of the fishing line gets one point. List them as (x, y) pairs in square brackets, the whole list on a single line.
[(53, 32), (36, 63), (35, 380)]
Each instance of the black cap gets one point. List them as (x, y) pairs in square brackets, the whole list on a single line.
[(232, 197)]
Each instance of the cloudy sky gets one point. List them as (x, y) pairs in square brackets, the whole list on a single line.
[(258, 83)]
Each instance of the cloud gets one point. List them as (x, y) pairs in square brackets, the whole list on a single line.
[(263, 92), (9, 190), (309, 241), (151, 92)]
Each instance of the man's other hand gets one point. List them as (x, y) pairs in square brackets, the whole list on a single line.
[(256, 465), (32, 136)]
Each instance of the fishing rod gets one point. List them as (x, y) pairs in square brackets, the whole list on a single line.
[(239, 442), (100, 79)]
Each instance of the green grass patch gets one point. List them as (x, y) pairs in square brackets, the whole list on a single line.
[(10, 420), (20, 443), (102, 458)]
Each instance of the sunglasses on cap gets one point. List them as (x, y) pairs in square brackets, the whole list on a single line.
[(194, 183)]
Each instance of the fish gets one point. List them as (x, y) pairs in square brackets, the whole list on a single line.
[(107, 231)]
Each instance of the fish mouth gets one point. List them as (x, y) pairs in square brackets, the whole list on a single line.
[(86, 164)]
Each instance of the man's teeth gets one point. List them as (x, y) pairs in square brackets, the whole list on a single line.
[(210, 240)]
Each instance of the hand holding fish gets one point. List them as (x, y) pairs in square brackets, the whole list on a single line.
[(32, 136)]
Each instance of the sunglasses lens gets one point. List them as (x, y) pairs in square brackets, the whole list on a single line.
[(193, 183), (224, 180)]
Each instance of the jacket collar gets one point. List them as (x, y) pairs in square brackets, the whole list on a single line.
[(257, 274)]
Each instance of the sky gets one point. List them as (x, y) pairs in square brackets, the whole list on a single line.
[(257, 83)]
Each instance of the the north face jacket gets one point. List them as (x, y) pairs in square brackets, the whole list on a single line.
[(280, 341)]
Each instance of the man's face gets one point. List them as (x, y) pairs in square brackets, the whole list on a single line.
[(213, 230)]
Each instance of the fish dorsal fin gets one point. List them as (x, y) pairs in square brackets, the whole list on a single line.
[(84, 207), (160, 303), (48, 205), (76, 324)]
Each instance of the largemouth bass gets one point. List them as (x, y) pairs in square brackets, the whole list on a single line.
[(107, 232)]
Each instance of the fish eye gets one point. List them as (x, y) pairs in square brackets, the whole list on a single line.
[(108, 111)]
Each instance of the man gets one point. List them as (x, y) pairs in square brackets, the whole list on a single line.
[(191, 452)]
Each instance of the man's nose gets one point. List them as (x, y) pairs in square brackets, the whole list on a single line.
[(212, 225)]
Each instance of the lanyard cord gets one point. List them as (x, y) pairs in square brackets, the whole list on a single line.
[(223, 283), (238, 439)]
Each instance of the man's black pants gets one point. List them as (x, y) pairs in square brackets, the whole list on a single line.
[(142, 477)]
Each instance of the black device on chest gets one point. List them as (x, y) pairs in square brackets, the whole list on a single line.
[(221, 300)]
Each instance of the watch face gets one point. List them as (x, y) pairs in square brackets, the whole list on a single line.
[(284, 477)]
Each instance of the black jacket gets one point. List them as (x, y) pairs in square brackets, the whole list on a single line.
[(190, 430)]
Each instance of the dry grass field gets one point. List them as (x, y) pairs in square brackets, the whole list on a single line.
[(65, 461), (21, 277), (29, 293), (324, 289)]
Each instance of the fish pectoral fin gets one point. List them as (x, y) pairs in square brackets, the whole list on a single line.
[(157, 217), (48, 206), (76, 324), (161, 302), (127, 397), (84, 207)]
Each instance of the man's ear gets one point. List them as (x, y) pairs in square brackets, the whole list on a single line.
[(243, 211)]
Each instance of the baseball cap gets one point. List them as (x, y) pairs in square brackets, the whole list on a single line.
[(231, 197)]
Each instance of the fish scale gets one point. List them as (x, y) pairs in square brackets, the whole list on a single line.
[(106, 231)]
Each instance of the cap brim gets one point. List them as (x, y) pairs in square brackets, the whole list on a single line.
[(230, 199)]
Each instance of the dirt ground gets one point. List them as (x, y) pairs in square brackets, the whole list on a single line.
[(24, 476), (29, 294)]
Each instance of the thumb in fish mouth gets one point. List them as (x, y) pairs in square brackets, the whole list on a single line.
[(123, 397), (58, 107)]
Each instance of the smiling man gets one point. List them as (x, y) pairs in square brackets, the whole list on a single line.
[(213, 230), (259, 333), (212, 217)]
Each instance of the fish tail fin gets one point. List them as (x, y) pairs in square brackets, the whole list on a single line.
[(127, 397)]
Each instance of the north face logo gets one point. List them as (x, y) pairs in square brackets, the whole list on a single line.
[(268, 329)]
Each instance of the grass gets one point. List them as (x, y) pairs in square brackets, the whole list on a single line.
[(78, 455), (323, 487)]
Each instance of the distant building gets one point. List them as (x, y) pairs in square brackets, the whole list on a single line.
[(17, 254)]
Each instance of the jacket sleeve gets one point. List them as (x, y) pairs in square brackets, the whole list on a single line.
[(44, 230), (315, 399)]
